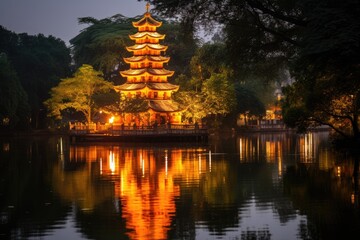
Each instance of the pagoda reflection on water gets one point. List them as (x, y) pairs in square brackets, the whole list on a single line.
[(147, 78)]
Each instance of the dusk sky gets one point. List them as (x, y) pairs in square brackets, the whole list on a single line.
[(60, 17)]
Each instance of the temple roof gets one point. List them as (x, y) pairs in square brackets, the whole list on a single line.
[(147, 57), (147, 45), (145, 34), (164, 106), (140, 71), (147, 20), (164, 86)]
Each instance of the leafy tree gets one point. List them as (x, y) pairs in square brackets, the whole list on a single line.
[(14, 108), (79, 93), (193, 105), (327, 87), (216, 98), (248, 102), (260, 35), (219, 95), (316, 39), (103, 44), (39, 62)]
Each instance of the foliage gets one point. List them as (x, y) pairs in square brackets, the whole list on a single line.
[(14, 108), (318, 40), (79, 93), (39, 62), (327, 69), (217, 97), (260, 35), (248, 102), (103, 44), (192, 103)]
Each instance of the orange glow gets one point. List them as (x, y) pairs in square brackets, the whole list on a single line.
[(111, 120), (147, 72), (143, 179)]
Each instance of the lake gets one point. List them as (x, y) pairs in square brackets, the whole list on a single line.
[(250, 186)]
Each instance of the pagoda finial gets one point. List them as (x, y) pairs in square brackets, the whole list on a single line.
[(147, 7)]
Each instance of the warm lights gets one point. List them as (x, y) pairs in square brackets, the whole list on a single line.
[(111, 120)]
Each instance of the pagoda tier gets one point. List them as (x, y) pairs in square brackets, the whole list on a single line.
[(146, 59), (147, 78), (147, 86), (146, 72), (150, 37), (147, 47), (147, 23)]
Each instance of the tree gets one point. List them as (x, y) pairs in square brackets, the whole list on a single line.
[(103, 44), (260, 35), (248, 102), (39, 62), (219, 95), (79, 93), (14, 107), (316, 39), (216, 98), (327, 87)]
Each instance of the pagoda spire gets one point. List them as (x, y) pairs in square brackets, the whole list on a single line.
[(147, 7)]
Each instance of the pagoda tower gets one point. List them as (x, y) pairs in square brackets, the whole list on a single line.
[(147, 78)]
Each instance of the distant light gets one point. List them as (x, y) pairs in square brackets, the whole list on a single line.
[(111, 120)]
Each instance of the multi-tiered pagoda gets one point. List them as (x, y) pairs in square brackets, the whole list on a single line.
[(147, 78)]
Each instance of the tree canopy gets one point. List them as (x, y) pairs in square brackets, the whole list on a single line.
[(103, 44), (327, 70), (14, 107), (79, 93), (317, 40), (39, 63)]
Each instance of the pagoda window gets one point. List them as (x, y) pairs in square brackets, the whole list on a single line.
[(165, 95), (155, 95), (150, 64), (143, 78), (138, 94), (134, 79), (142, 65), (150, 95), (150, 78)]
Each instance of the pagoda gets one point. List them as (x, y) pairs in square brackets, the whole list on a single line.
[(147, 78)]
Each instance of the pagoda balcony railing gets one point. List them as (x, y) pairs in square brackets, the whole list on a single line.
[(120, 130)]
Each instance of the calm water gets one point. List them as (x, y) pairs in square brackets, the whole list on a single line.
[(256, 186)]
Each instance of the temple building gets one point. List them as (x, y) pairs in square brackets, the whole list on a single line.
[(147, 77)]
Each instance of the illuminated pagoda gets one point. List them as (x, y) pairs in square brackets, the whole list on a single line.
[(147, 78)]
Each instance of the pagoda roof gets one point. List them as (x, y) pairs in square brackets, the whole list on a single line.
[(147, 20), (147, 57), (147, 45), (147, 34), (164, 86), (164, 106), (140, 71)]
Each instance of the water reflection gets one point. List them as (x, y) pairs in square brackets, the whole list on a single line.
[(141, 179), (256, 186)]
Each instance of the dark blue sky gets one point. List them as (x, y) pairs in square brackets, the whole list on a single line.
[(59, 17)]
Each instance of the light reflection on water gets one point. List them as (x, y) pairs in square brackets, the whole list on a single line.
[(255, 186)]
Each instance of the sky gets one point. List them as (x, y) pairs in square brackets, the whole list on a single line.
[(59, 18)]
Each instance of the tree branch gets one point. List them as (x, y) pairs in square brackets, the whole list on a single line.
[(259, 6)]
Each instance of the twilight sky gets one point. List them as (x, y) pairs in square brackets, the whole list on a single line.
[(59, 17)]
